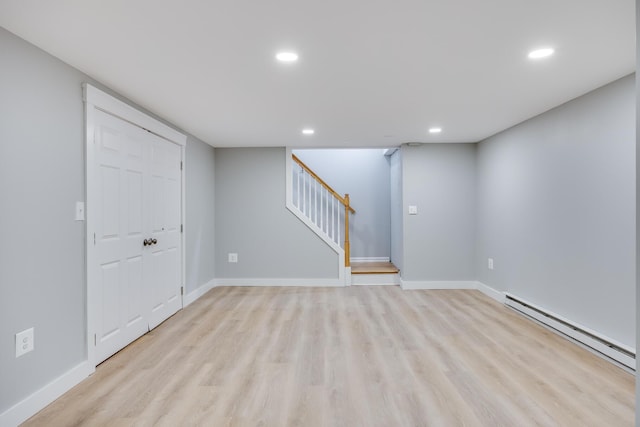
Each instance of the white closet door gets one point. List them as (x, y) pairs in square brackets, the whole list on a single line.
[(139, 182), (121, 155), (164, 280)]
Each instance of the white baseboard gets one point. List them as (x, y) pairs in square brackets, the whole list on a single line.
[(192, 296), (490, 292), (593, 340), (375, 279), (281, 282), (369, 259), (438, 284), (28, 407)]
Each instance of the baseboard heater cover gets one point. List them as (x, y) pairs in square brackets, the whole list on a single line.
[(602, 345)]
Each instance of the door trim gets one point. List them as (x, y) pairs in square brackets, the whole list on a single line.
[(95, 99)]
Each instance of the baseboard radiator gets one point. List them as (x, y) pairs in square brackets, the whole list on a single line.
[(600, 344)]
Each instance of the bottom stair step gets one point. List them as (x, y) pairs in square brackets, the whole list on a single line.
[(374, 273), (373, 268)]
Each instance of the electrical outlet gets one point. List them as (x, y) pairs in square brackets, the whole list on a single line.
[(490, 263), (413, 210), (24, 342), (233, 257)]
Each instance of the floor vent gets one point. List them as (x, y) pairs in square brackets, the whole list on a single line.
[(603, 346)]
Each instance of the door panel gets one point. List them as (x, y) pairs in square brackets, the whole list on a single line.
[(157, 203), (135, 302), (119, 228), (173, 276), (110, 201), (166, 180), (110, 298), (134, 189), (173, 189)]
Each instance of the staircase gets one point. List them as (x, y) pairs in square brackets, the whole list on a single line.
[(327, 213)]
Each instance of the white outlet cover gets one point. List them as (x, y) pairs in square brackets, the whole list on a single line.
[(24, 342), (233, 257), (413, 210), (490, 263)]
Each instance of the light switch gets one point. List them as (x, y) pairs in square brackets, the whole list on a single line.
[(79, 211), (413, 210)]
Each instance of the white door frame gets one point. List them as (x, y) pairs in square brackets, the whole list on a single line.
[(95, 99)]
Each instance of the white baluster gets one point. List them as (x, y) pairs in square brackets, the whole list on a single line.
[(329, 207), (309, 180), (339, 225), (310, 198), (299, 174), (327, 213), (333, 225), (320, 209), (312, 189), (324, 216), (304, 193)]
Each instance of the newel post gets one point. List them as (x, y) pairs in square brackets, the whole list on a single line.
[(347, 249)]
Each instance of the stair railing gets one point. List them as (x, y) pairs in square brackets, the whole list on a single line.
[(322, 205)]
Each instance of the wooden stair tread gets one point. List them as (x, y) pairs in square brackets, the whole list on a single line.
[(373, 268)]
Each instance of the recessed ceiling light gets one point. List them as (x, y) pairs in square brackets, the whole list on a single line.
[(435, 130), (287, 57), (308, 131), (541, 53)]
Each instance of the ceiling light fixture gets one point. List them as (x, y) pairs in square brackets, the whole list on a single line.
[(541, 53), (435, 130), (308, 131), (287, 57)]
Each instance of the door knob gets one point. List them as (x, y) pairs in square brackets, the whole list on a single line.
[(154, 241), (146, 242)]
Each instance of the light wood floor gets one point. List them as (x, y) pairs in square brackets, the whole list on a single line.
[(358, 356)]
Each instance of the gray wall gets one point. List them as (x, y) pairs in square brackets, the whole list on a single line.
[(557, 210), (364, 175), (200, 201), (251, 219), (439, 241), (397, 241), (42, 249), (42, 267)]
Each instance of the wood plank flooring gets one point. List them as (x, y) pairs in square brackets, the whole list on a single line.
[(358, 356)]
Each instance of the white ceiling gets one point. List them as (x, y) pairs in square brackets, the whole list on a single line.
[(372, 73)]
